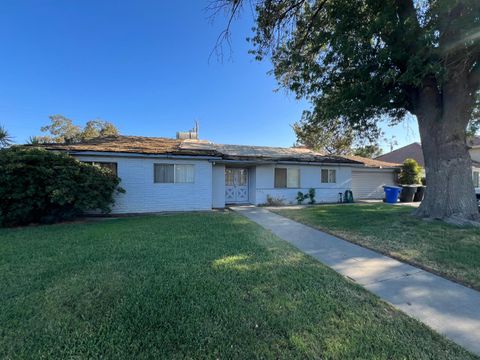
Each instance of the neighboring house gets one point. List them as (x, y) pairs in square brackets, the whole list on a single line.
[(414, 151), (161, 174), (398, 156)]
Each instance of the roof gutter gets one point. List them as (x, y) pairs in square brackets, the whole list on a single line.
[(282, 162), (353, 164), (310, 163)]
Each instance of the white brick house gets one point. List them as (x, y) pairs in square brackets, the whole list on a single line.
[(162, 174)]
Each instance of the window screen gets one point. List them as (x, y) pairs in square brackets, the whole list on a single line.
[(332, 176), (184, 174), (293, 178), (324, 176), (173, 173), (163, 173), (287, 178), (328, 176), (280, 178)]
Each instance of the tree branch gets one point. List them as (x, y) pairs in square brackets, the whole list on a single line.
[(215, 7), (311, 22)]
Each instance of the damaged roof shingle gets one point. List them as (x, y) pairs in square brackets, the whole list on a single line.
[(131, 144), (166, 146)]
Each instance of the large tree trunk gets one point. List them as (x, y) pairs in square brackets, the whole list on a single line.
[(450, 194)]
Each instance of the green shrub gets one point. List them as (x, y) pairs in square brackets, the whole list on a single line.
[(311, 195), (38, 186), (301, 197), (409, 174)]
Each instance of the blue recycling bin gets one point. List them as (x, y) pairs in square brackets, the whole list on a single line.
[(392, 193)]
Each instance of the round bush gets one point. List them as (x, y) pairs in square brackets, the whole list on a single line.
[(39, 186), (409, 174)]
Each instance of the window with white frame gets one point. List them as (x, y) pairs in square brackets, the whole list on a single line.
[(287, 178), (173, 173), (293, 178), (329, 176), (476, 179)]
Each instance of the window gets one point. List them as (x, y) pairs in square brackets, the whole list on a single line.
[(184, 174), (112, 166), (236, 177), (476, 179), (293, 178), (329, 176), (229, 177), (163, 173), (280, 178), (172, 173), (287, 178), (242, 177)]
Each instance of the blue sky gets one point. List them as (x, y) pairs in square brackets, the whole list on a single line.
[(143, 65)]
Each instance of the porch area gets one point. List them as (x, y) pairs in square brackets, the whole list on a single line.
[(233, 185)]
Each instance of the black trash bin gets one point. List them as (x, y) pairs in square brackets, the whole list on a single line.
[(408, 193), (419, 194)]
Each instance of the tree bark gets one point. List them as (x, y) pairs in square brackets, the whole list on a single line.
[(442, 119)]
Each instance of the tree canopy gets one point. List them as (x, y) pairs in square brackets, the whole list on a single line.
[(62, 130), (98, 128), (363, 60), (333, 138), (368, 151)]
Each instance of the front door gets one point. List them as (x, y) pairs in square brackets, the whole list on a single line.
[(236, 185)]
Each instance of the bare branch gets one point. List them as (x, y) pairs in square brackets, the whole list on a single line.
[(233, 7), (214, 8)]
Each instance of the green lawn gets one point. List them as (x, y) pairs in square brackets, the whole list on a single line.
[(204, 285), (448, 250)]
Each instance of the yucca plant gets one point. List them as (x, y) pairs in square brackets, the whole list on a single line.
[(5, 138)]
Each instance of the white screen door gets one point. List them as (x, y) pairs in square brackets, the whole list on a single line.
[(236, 185)]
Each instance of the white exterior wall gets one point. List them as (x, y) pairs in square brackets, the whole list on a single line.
[(310, 177), (218, 186), (143, 195)]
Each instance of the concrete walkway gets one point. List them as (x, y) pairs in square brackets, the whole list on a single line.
[(449, 308)]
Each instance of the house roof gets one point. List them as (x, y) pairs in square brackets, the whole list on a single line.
[(414, 151), (248, 152), (373, 162), (398, 156), (167, 146), (131, 144)]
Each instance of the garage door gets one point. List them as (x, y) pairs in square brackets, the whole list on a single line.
[(369, 184)]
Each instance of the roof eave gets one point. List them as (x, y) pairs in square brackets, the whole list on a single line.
[(140, 155)]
